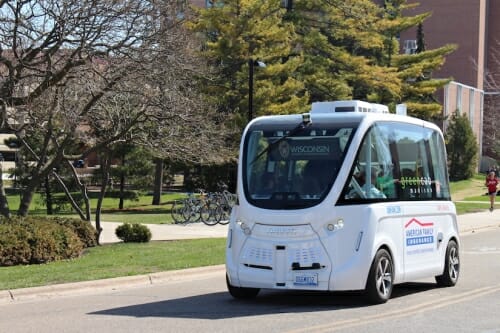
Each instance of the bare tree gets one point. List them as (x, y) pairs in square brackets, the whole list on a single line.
[(93, 73), (491, 119)]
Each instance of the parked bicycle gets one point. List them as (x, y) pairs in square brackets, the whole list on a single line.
[(226, 201), (188, 210), (211, 212), (209, 208), (203, 207)]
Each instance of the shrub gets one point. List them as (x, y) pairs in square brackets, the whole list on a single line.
[(51, 241), (138, 233), (85, 230), (14, 246), (36, 240)]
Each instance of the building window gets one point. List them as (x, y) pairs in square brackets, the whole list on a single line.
[(410, 46)]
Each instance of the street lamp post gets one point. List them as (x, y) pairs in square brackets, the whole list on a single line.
[(251, 64)]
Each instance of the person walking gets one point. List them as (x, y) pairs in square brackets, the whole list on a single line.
[(492, 183)]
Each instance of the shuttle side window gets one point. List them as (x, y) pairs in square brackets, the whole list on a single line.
[(398, 162)]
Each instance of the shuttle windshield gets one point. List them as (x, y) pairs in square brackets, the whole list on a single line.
[(286, 166)]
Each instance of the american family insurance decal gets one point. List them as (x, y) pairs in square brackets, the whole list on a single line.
[(419, 236)]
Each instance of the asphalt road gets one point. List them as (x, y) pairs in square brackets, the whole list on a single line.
[(200, 303)]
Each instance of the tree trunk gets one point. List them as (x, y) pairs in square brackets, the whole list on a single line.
[(27, 196), (48, 197), (122, 190), (105, 179), (83, 190), (4, 205), (158, 182), (122, 183)]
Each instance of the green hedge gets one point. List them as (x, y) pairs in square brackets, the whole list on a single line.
[(36, 240)]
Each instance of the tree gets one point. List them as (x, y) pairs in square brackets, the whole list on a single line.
[(90, 74), (133, 165), (48, 46), (343, 46), (491, 120), (238, 31), (461, 146), (351, 51), (339, 50)]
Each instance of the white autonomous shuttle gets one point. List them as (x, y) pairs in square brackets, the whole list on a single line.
[(346, 197)]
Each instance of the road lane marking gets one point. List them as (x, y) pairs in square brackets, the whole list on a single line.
[(418, 308), (481, 252)]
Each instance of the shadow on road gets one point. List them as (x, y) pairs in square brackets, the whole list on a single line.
[(221, 305)]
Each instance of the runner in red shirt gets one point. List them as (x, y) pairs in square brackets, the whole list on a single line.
[(491, 183)]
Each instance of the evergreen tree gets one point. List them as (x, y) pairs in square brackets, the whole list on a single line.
[(343, 45), (237, 31), (315, 51), (461, 146), (351, 50)]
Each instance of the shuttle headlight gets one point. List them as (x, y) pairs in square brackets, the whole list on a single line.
[(339, 224), (246, 229)]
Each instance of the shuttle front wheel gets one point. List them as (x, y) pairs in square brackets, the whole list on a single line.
[(241, 292), (380, 279), (451, 266)]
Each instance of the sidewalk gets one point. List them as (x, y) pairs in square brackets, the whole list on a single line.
[(467, 223), (472, 222), (168, 231)]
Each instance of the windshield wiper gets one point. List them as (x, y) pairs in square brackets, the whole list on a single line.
[(306, 122)]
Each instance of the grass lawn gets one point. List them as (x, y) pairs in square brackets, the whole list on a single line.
[(470, 195), (141, 211), (121, 259), (114, 260)]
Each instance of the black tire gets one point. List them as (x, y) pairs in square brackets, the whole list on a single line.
[(240, 292), (187, 211), (381, 278), (208, 214), (451, 266), (225, 214), (192, 210), (177, 212)]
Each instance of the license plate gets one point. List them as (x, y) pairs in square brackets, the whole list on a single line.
[(306, 279)]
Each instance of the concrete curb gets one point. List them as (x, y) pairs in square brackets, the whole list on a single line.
[(89, 287)]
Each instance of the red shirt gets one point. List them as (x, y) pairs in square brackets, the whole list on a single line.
[(492, 184)]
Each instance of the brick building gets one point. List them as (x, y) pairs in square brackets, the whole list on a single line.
[(472, 25)]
